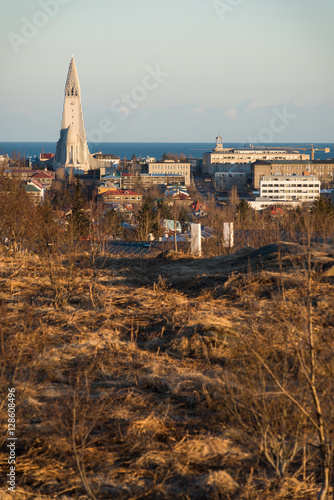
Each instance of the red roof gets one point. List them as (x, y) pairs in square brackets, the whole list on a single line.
[(196, 206), (36, 184), (47, 156), (182, 196), (276, 211), (42, 175)]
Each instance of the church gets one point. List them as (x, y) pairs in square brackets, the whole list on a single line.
[(72, 149)]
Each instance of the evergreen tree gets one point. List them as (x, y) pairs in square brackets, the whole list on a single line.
[(147, 220), (322, 206), (244, 211), (80, 222)]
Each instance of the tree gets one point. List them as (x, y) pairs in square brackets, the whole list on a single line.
[(164, 211), (322, 206), (233, 196), (164, 157), (183, 218), (111, 225), (125, 163), (244, 211), (146, 220), (80, 222)]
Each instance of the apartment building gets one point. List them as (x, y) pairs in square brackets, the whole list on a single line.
[(323, 169), (302, 188), (170, 168)]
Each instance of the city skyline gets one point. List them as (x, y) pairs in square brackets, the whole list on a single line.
[(252, 72)]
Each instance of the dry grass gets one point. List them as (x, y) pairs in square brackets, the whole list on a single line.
[(149, 359)]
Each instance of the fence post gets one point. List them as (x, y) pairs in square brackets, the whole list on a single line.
[(228, 235), (196, 240)]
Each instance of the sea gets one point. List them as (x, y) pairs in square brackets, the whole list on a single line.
[(151, 149)]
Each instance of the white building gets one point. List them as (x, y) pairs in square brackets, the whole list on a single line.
[(229, 155), (72, 149), (301, 188), (171, 167)]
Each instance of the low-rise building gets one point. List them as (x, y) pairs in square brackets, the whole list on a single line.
[(220, 155), (171, 168), (44, 178), (147, 180), (43, 157), (228, 176), (107, 163), (35, 191), (4, 160), (109, 182), (301, 188), (323, 169), (120, 196)]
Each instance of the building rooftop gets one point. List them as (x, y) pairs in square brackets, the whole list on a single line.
[(102, 156), (293, 162), (120, 192)]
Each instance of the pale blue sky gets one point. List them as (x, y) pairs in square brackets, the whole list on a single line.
[(233, 66)]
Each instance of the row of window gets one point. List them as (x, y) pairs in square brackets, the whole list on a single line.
[(289, 196), (289, 185), (132, 198), (290, 191)]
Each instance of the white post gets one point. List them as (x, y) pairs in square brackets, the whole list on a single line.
[(228, 236), (196, 240)]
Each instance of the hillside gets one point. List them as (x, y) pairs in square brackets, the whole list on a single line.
[(169, 377)]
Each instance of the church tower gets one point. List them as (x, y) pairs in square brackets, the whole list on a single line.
[(72, 149), (219, 143)]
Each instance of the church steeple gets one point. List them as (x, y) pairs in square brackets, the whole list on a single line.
[(72, 148), (72, 87)]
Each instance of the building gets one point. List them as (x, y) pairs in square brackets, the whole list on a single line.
[(228, 176), (147, 181), (108, 182), (43, 157), (72, 150), (35, 191), (170, 168), (107, 163), (302, 188), (44, 178), (323, 169), (121, 197), (29, 174), (221, 155), (4, 160)]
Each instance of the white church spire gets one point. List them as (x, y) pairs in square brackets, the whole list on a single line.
[(72, 87), (72, 148)]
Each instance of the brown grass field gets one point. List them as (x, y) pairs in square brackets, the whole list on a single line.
[(165, 378)]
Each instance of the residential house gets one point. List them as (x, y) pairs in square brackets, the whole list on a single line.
[(35, 191), (44, 178)]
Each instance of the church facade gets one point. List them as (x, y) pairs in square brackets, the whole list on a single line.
[(72, 151)]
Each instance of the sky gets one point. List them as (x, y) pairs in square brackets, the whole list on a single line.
[(258, 71)]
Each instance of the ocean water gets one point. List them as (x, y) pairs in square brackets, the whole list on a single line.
[(144, 149)]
